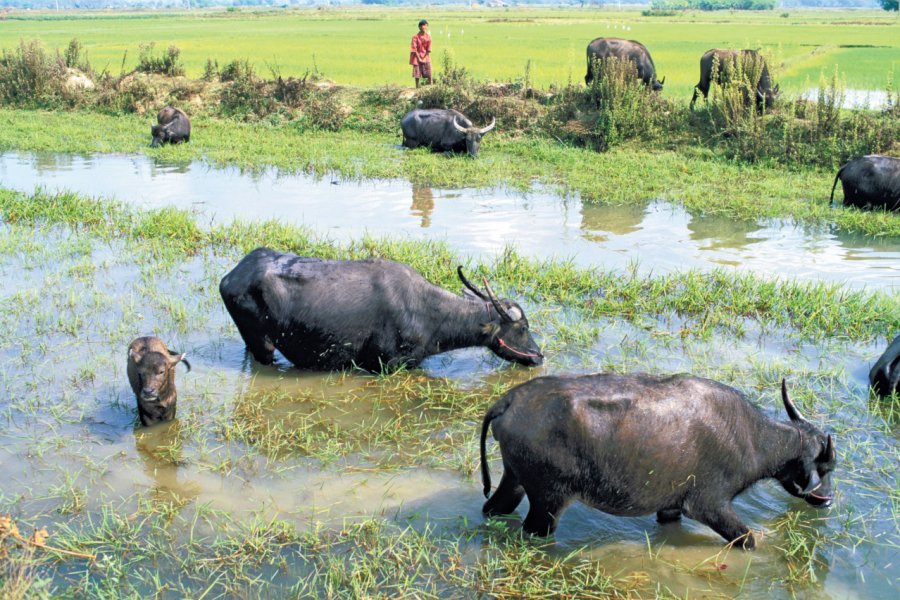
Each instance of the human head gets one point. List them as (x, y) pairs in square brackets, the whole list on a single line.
[(423, 25)]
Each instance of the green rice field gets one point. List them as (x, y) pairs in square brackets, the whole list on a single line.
[(368, 47)]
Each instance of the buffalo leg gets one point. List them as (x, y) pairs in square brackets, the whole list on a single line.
[(728, 524), (506, 498), (668, 515), (258, 343), (543, 514), (693, 99)]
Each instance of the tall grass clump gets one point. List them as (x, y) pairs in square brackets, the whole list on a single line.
[(615, 107), (245, 94), (32, 77), (168, 64)]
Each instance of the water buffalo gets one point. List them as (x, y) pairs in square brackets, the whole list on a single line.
[(151, 373), (884, 377), (633, 445), (870, 182), (752, 66), (173, 127), (372, 314), (442, 131), (636, 52)]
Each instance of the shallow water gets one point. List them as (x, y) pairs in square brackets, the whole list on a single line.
[(660, 237), (852, 98), (68, 309)]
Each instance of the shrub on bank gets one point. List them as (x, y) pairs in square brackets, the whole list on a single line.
[(614, 109)]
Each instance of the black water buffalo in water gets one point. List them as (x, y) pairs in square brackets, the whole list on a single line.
[(442, 131), (870, 182), (749, 63), (151, 373), (633, 445), (173, 127), (885, 374), (371, 314), (636, 52)]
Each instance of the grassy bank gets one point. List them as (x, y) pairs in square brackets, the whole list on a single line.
[(626, 174), (706, 300)]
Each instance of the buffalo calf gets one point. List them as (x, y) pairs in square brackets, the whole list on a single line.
[(173, 127), (633, 445), (870, 182), (151, 373), (885, 374)]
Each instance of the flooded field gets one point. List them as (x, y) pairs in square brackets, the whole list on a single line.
[(660, 237), (276, 482)]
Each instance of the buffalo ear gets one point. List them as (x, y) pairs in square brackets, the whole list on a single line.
[(792, 411), (830, 454), (134, 355), (175, 358), (814, 483)]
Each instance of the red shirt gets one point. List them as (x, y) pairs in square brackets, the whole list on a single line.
[(419, 49)]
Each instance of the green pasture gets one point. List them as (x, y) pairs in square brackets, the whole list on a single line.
[(370, 46)]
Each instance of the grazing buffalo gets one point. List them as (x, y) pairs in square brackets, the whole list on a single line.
[(633, 445), (884, 377), (173, 127), (442, 131), (752, 65), (636, 52), (372, 314), (870, 182), (151, 373)]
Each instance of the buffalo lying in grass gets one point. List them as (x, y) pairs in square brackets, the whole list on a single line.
[(442, 131)]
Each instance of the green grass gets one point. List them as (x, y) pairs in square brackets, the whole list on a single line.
[(368, 47), (627, 174)]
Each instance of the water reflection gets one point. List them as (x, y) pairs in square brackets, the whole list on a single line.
[(422, 204), (160, 449), (660, 237)]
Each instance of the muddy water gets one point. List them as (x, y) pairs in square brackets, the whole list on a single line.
[(660, 237), (70, 448)]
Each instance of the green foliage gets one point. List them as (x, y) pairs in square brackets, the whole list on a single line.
[(671, 5), (890, 4), (168, 64)]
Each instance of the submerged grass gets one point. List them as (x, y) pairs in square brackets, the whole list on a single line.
[(275, 484), (712, 300)]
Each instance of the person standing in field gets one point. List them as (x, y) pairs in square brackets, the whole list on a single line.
[(420, 54)]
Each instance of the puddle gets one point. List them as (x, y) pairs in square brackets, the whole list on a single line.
[(870, 99), (69, 447), (660, 237)]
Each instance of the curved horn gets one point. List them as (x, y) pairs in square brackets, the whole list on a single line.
[(489, 127), (496, 302), (469, 285), (458, 127), (662, 81), (792, 411)]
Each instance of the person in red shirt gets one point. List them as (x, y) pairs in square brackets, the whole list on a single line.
[(420, 54)]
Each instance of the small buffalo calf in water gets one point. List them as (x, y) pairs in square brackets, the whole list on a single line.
[(632, 445), (151, 372)]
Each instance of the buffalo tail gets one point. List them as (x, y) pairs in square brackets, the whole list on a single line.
[(834, 185), (493, 412)]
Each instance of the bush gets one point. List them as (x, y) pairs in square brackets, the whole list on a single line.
[(167, 64), (246, 95), (29, 76)]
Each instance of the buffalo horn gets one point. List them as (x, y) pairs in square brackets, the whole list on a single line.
[(469, 285), (792, 411), (776, 88), (458, 127), (662, 81), (496, 302), (489, 127), (814, 482), (829, 450)]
